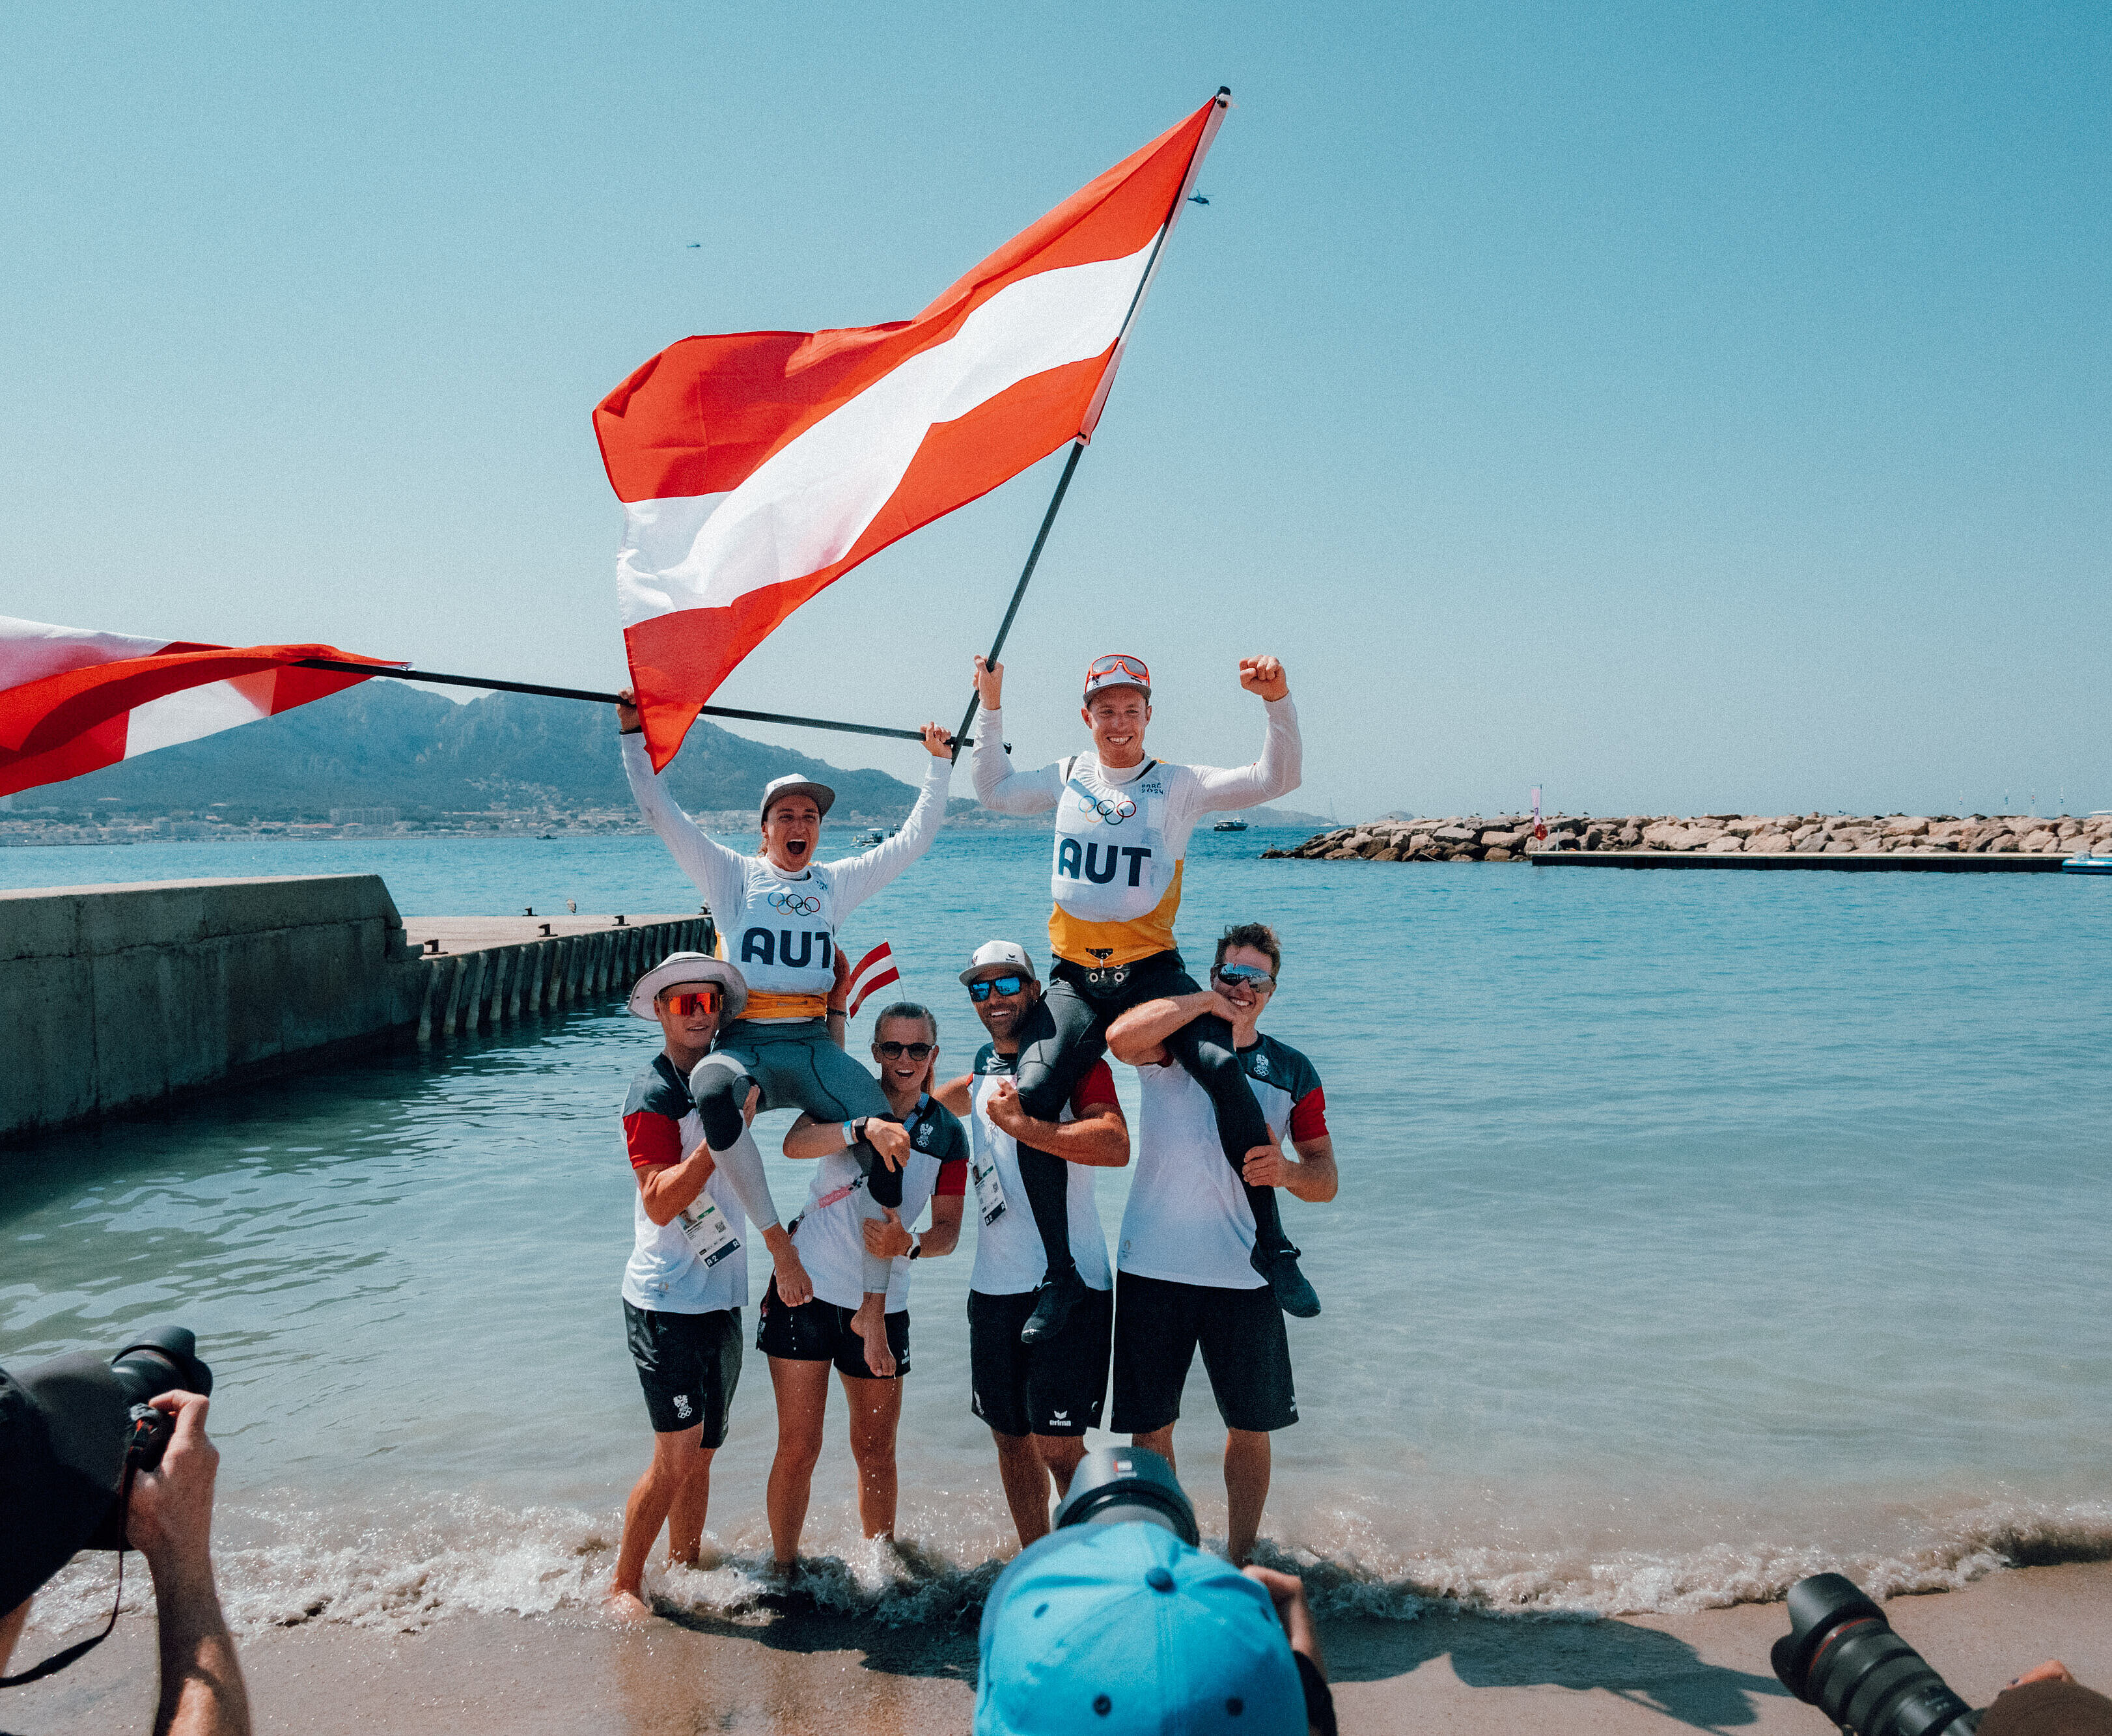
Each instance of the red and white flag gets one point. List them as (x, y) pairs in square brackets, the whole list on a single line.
[(875, 971), (757, 468), (73, 701)]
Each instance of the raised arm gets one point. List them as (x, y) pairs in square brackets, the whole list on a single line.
[(998, 787), (1277, 771), (956, 1094), (1138, 1038), (858, 877), (716, 869)]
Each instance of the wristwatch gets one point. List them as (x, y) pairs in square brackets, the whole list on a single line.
[(916, 1246)]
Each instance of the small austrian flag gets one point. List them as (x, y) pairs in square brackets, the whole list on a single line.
[(875, 971)]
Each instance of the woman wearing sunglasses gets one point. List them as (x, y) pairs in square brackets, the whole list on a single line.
[(1122, 826), (834, 1240)]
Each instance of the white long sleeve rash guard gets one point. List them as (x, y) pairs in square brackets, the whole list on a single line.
[(1116, 909), (732, 880)]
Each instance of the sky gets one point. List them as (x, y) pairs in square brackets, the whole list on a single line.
[(1682, 407)]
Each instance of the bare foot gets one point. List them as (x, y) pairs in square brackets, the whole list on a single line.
[(627, 1607), (871, 1324), (794, 1287)]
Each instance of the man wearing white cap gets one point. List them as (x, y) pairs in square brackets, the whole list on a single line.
[(1122, 826), (777, 912), (1037, 1399), (687, 1278)]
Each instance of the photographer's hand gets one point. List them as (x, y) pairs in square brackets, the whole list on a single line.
[(170, 1522), (1286, 1590)]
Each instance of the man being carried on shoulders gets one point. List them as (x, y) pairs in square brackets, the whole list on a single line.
[(777, 913), (1187, 1233), (1122, 826), (1039, 1399)]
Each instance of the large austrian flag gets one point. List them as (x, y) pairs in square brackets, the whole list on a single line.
[(73, 701), (757, 467)]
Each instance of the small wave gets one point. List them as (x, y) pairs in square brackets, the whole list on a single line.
[(464, 1556)]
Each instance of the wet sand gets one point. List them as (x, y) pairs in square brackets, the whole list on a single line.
[(802, 1674)]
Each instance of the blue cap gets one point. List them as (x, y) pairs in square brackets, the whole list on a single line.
[(1125, 1630)]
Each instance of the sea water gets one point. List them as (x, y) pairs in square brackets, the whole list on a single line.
[(1697, 1231)]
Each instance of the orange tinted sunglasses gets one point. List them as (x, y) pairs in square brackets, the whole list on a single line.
[(689, 1003)]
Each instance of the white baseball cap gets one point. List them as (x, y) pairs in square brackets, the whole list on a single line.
[(1117, 668), (793, 784), (689, 967), (1000, 956)]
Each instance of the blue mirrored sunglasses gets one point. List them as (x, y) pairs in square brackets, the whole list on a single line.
[(1005, 985), (1253, 975)]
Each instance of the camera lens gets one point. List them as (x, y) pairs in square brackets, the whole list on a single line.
[(1841, 1656), (1115, 1484)]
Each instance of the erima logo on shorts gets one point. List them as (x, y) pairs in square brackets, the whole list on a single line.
[(1059, 1416), (682, 1404)]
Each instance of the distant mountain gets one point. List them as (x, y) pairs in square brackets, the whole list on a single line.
[(388, 744)]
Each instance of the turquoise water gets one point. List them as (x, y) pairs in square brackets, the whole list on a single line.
[(1696, 1230)]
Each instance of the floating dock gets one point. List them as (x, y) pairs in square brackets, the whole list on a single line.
[(1857, 861)]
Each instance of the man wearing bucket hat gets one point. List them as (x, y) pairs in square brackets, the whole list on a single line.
[(778, 911), (1122, 826), (1117, 1623), (687, 1278)]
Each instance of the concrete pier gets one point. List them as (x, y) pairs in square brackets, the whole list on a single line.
[(114, 998)]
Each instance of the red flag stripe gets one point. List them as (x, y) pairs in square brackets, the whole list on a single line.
[(885, 977)]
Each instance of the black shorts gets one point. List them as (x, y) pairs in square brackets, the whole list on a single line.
[(1053, 1388), (1245, 1352), (818, 1331), (689, 1364)]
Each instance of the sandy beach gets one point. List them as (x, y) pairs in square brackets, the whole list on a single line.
[(803, 1674)]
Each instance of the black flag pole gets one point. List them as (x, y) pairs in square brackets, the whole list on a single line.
[(577, 692), (1078, 446)]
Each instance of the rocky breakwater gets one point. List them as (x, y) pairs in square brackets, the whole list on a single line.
[(1472, 838)]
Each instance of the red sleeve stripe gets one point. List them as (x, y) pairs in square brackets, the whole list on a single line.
[(653, 1141), (953, 1179), (1095, 1090), (1309, 1120)]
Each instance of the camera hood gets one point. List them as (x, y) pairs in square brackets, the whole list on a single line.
[(62, 1437), (1115, 1484)]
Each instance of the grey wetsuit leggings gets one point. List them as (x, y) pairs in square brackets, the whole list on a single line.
[(797, 1067)]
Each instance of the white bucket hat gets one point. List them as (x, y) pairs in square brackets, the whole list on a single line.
[(689, 967), (793, 784)]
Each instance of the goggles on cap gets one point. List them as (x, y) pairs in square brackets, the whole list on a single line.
[(979, 992), (691, 1001), (1118, 663)]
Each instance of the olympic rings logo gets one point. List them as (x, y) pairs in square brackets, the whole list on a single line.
[(1114, 812), (791, 904)]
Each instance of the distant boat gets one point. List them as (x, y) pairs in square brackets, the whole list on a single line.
[(1229, 826), (870, 836), (2082, 861)]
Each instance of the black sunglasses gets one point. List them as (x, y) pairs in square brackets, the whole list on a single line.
[(980, 992), (896, 1051)]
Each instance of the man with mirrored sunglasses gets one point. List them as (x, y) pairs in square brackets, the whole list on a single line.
[(1037, 1399), (1186, 1279), (1123, 822)]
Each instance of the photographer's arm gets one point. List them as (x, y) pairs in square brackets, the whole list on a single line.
[(170, 1522), (1287, 1593)]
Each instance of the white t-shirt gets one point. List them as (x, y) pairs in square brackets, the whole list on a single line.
[(1187, 1219), (831, 1235), (664, 1273), (1009, 1259)]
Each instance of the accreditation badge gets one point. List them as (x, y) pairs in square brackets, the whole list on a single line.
[(990, 1190), (704, 1228)]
